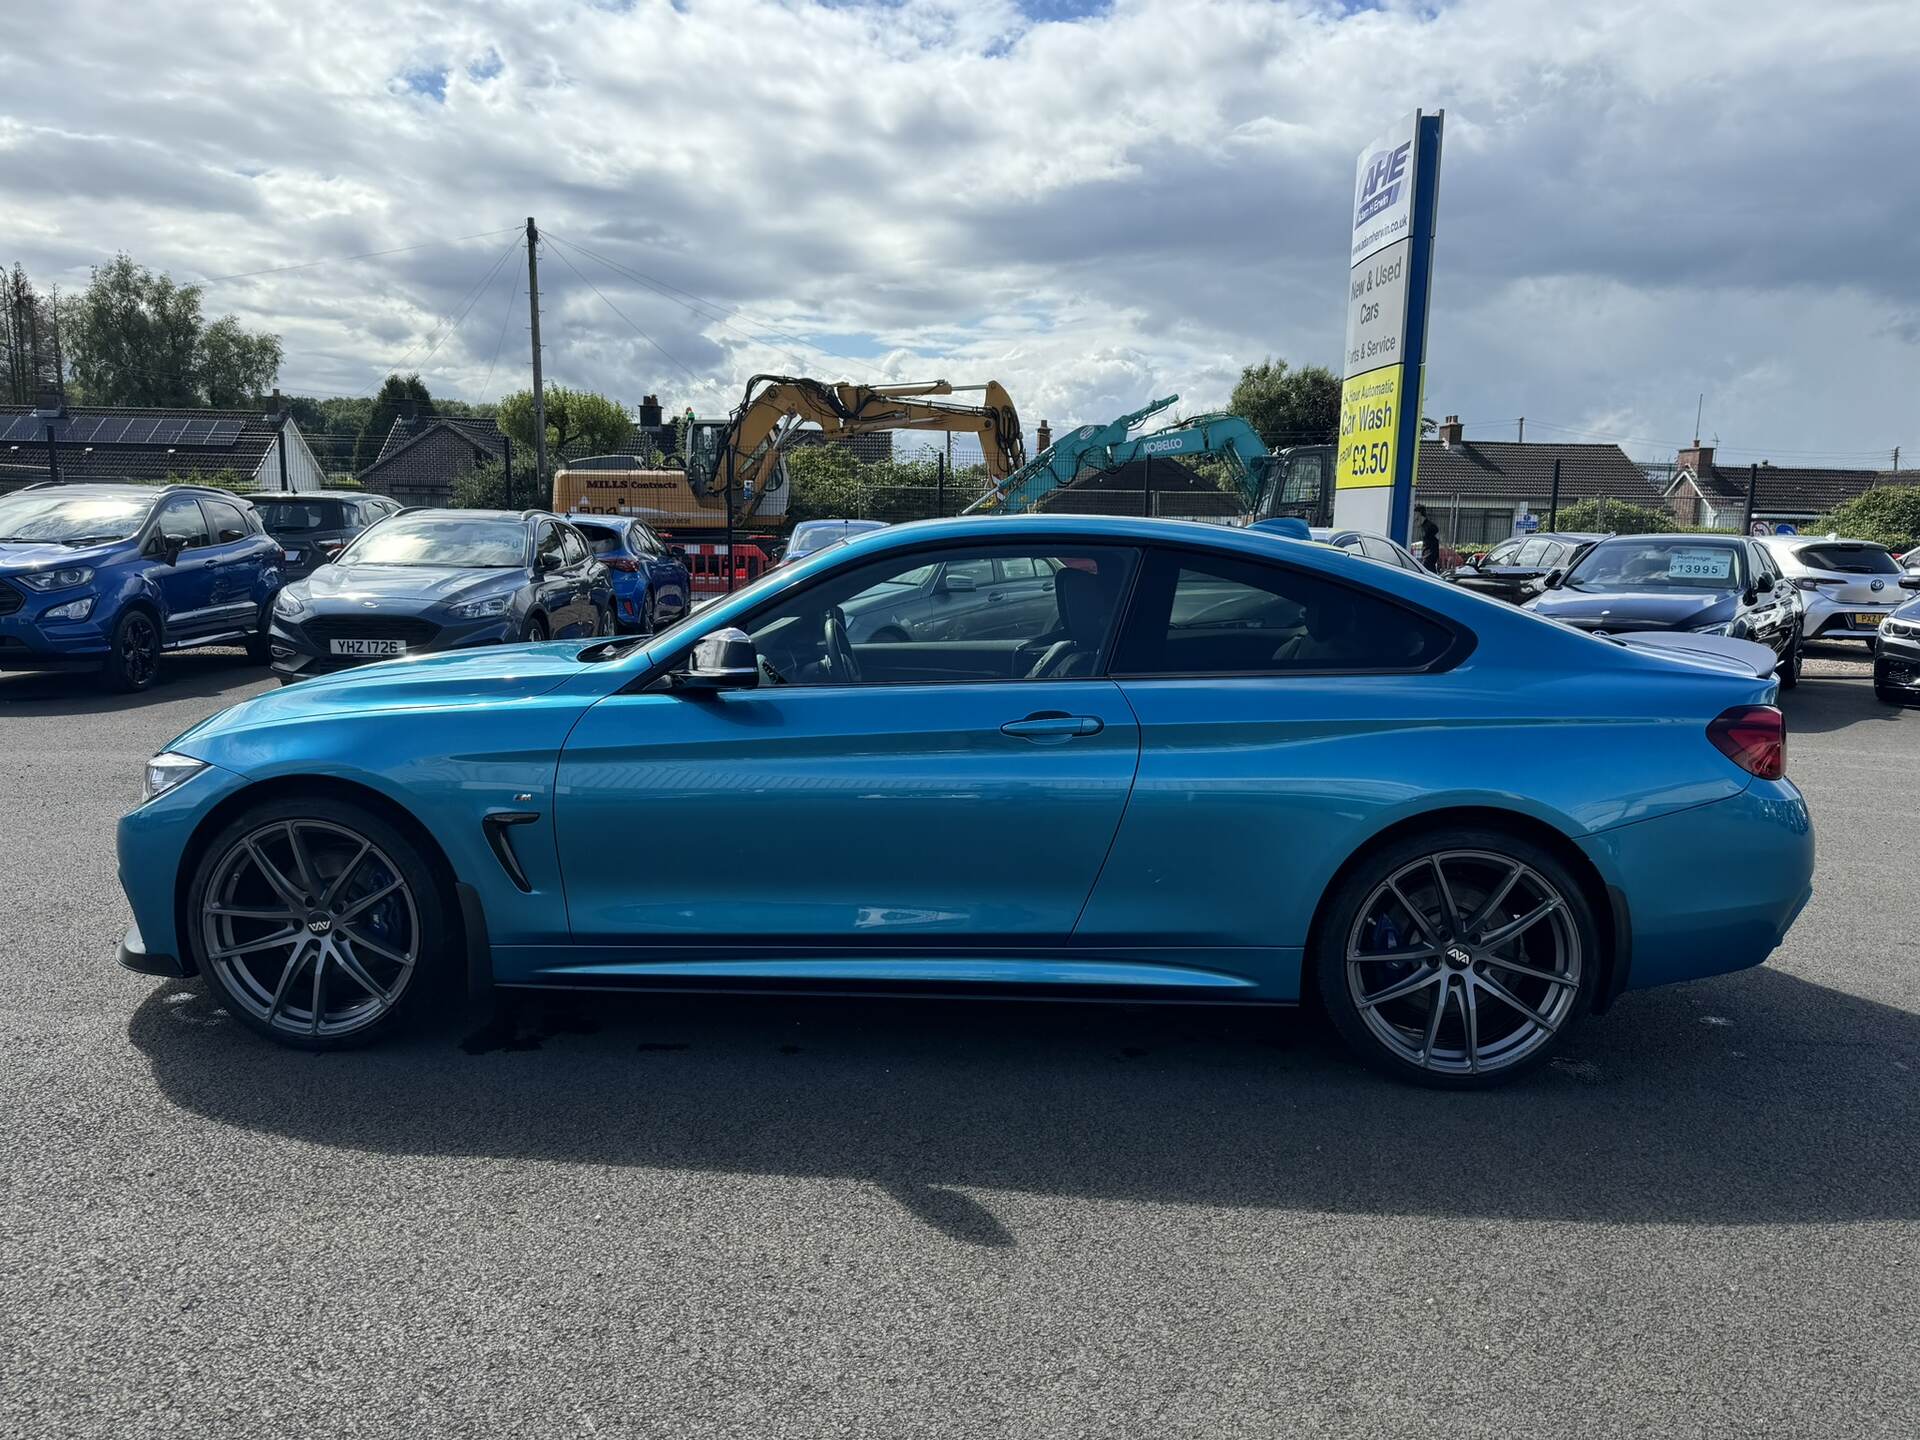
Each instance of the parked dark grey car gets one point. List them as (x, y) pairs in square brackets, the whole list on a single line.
[(1514, 568), (982, 599), (314, 526), (430, 580)]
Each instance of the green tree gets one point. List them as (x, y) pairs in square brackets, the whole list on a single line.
[(1288, 406), (395, 391), (1886, 514), (484, 487), (591, 423), (1615, 517), (135, 338)]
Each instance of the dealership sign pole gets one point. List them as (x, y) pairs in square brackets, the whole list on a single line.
[(1396, 191)]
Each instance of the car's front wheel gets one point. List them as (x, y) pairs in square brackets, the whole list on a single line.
[(133, 655), (260, 643), (1457, 958), (319, 923), (1790, 666), (536, 629)]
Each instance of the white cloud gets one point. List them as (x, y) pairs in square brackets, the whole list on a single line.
[(1639, 202)]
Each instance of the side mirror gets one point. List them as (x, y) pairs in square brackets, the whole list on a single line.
[(957, 584), (168, 548), (1553, 579), (724, 660)]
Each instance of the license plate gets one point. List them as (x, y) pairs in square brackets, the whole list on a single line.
[(367, 648), (1867, 621)]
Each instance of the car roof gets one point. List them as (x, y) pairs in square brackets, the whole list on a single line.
[(128, 489), (321, 495), (449, 512)]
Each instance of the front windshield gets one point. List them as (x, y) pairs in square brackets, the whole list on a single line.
[(45, 516), (441, 540), (1657, 565)]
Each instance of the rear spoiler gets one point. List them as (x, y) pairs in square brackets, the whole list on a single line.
[(1721, 652)]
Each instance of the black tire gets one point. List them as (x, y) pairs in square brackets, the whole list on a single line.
[(433, 923), (133, 656), (1790, 666), (536, 629), (650, 615), (260, 643), (1472, 853)]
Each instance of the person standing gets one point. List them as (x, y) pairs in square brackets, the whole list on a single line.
[(1429, 534)]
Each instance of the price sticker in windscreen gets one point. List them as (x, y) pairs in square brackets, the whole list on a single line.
[(1700, 565)]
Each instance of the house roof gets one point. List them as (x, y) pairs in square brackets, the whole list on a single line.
[(483, 433), (138, 443), (1797, 489), (1513, 470)]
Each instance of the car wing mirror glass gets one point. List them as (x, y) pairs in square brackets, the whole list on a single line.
[(169, 548), (1553, 579), (957, 584), (724, 660)]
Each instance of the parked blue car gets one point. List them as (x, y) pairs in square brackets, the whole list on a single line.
[(1227, 767), (651, 587), (109, 577)]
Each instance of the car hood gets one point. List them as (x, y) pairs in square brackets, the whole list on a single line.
[(1646, 607), (28, 555), (492, 675), (423, 584)]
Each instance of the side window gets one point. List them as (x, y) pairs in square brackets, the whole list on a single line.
[(1375, 548), (1530, 553), (903, 619), (226, 520), (1503, 554), (549, 548), (572, 547), (180, 519), (1196, 614), (1019, 567)]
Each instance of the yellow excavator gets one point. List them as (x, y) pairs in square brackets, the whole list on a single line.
[(745, 453)]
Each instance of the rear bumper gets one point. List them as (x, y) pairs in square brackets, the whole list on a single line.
[(1712, 889), (1831, 620)]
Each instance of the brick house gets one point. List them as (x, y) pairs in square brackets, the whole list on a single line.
[(424, 454), (1475, 489), (1705, 492)]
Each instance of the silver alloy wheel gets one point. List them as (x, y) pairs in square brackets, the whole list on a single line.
[(1464, 962), (311, 927)]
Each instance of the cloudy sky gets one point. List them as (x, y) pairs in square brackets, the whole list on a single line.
[(1094, 203)]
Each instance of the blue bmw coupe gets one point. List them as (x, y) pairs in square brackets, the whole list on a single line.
[(1222, 766)]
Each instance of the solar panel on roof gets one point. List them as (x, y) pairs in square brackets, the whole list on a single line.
[(80, 430), (196, 432), (112, 431), (26, 427), (225, 432), (168, 432), (139, 430)]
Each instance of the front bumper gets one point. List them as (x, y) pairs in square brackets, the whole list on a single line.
[(1897, 666), (295, 655), (135, 955), (28, 642), (1712, 889)]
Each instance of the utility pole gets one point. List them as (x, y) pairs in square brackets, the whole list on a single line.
[(1896, 459), (539, 386), (1753, 484), (1553, 501)]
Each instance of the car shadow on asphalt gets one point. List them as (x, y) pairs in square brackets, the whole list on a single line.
[(187, 675), (1754, 1098)]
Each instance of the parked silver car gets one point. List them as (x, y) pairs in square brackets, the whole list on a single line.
[(1847, 587)]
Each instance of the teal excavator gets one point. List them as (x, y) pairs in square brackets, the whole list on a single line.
[(1294, 481)]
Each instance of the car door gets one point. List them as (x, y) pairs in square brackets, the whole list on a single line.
[(839, 816), (186, 586), (236, 558), (1772, 618), (553, 588), (586, 576), (666, 574), (1261, 717)]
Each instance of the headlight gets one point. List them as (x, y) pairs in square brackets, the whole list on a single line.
[(289, 604), (480, 609), (72, 610), (1722, 629), (1905, 629), (63, 579), (165, 772)]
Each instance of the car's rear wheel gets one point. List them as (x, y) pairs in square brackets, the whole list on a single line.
[(133, 657), (319, 923), (1457, 958)]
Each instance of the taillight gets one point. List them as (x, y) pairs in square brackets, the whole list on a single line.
[(626, 564), (1754, 737)]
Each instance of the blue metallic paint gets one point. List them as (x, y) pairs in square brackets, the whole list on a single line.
[(848, 835)]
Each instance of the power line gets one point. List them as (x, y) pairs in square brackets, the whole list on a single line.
[(467, 301), (367, 255), (561, 251), (512, 301)]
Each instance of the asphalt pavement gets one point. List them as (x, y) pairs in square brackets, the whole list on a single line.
[(813, 1218)]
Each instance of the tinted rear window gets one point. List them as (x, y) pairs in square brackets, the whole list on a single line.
[(603, 542), (284, 517), (1848, 559)]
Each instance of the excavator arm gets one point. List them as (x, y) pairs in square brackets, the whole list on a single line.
[(748, 456)]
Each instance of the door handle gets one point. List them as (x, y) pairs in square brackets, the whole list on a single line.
[(1050, 727)]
